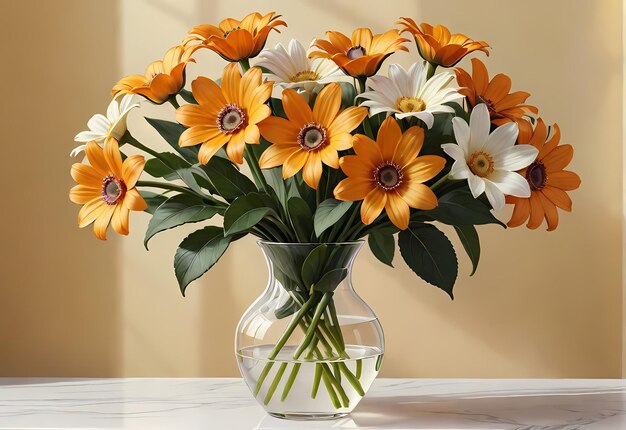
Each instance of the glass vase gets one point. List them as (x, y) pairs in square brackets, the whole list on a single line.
[(309, 347)]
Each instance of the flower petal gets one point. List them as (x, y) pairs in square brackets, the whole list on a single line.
[(373, 205), (353, 189), (276, 155), (510, 183), (494, 195), (327, 105), (294, 163), (296, 107), (398, 211), (418, 196), (521, 212), (480, 124), (134, 201), (132, 168), (119, 221), (312, 171), (564, 180), (102, 222)]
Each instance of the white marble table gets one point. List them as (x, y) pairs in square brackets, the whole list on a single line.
[(225, 404)]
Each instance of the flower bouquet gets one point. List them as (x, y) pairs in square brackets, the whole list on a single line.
[(337, 153)]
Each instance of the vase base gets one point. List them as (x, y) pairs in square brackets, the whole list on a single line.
[(308, 416)]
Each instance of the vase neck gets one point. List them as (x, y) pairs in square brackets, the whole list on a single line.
[(310, 267)]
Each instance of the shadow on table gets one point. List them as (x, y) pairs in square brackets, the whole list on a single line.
[(522, 412)]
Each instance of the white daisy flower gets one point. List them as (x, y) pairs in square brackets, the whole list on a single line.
[(489, 161), (291, 67), (408, 93), (101, 127)]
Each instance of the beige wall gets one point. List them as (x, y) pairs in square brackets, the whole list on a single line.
[(541, 304)]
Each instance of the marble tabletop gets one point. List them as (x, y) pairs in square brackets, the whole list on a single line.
[(226, 404)]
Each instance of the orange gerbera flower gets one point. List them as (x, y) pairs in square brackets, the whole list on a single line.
[(388, 174), (236, 40), (226, 115), (162, 79), (106, 188), (547, 179), (437, 46), (503, 106), (310, 137), (362, 55)]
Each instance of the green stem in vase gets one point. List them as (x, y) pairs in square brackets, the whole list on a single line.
[(313, 324), (316, 380), (279, 375), (359, 368), (329, 388), (281, 342), (290, 381)]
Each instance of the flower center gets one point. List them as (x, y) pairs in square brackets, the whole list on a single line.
[(355, 52), (481, 164), (410, 104), (113, 189), (388, 176), (536, 175), (312, 136), (305, 75), (231, 119)]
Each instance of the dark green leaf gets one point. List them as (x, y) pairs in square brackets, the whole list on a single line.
[(198, 253), (471, 243), (247, 211), (171, 131), (328, 213), (153, 200), (301, 218), (157, 168), (429, 253), (383, 246), (229, 182), (330, 280), (277, 107), (178, 210), (187, 96), (314, 265), (459, 207)]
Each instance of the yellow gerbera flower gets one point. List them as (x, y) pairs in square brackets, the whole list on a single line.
[(388, 174), (226, 115), (437, 46), (363, 54), (106, 188), (310, 137), (161, 80), (236, 40)]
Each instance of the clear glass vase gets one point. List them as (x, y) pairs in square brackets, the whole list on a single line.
[(309, 347)]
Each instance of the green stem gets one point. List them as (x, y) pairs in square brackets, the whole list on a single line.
[(348, 227), (440, 182), (279, 375), (281, 342), (359, 368), (316, 380), (257, 174), (245, 64), (173, 101), (313, 324), (362, 80), (329, 387), (165, 186), (290, 381)]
